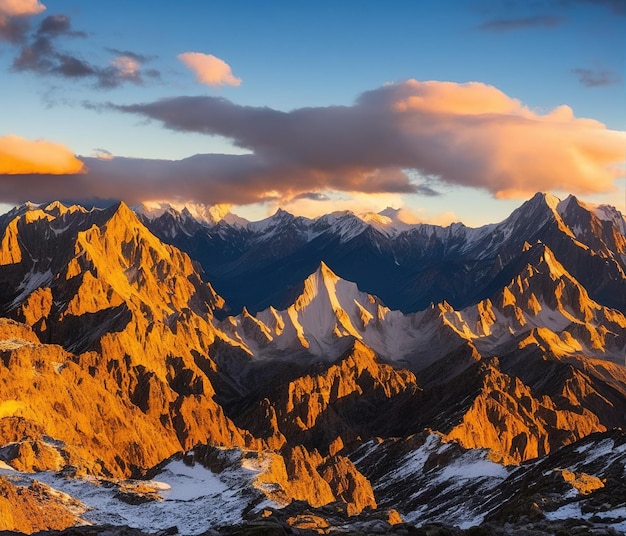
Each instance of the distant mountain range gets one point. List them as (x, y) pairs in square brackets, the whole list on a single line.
[(408, 266), (356, 361)]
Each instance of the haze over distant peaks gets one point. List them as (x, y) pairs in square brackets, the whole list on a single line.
[(209, 214)]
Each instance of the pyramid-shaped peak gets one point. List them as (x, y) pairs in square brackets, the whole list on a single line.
[(324, 282), (56, 207), (121, 209), (282, 214), (325, 272), (120, 214), (390, 212), (542, 199), (564, 205), (322, 275)]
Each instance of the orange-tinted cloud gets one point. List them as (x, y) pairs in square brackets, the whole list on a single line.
[(16, 8), (312, 207), (19, 156), (209, 69), (126, 66)]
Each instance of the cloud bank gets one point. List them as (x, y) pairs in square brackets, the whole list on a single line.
[(209, 69), (401, 138)]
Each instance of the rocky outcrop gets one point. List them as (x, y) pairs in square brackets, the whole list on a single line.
[(122, 389), (36, 508), (515, 425), (302, 475)]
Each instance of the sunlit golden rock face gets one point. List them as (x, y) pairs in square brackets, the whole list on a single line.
[(298, 474), (507, 418), (48, 394), (139, 315)]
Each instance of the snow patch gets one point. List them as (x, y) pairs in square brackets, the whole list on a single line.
[(32, 281), (193, 498)]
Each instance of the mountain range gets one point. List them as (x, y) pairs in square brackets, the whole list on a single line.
[(408, 266), (357, 361)]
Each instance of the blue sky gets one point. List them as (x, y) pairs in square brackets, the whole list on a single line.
[(315, 59)]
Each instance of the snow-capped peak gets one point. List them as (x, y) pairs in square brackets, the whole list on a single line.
[(603, 212), (153, 209), (390, 221)]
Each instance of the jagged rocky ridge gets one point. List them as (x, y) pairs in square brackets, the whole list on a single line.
[(113, 360)]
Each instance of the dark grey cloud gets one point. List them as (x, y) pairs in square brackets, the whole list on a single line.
[(42, 57), (313, 196), (521, 23), (56, 25), (13, 29), (596, 77), (40, 53), (424, 189)]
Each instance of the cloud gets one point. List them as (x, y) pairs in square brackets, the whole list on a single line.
[(470, 134), (55, 25), (596, 77), (311, 206), (19, 156), (311, 196), (14, 18), (411, 137), (521, 23), (102, 154), (17, 8), (40, 54), (314, 204), (139, 58), (209, 69)]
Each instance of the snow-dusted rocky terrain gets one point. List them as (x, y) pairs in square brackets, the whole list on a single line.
[(428, 480)]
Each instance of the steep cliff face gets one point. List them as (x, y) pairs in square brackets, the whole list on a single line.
[(134, 315), (507, 418), (54, 413)]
